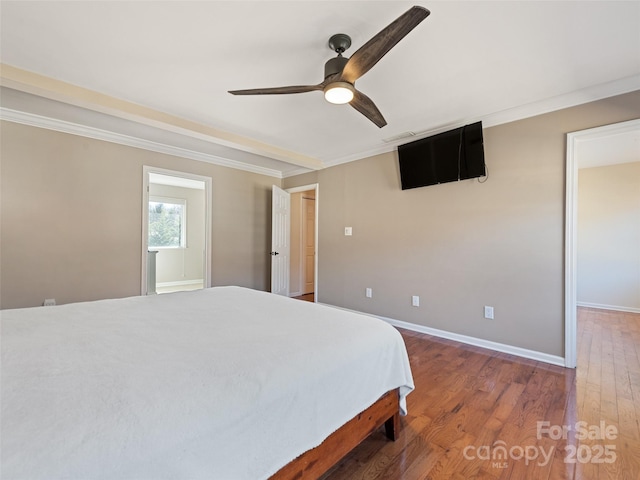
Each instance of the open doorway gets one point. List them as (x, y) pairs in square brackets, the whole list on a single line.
[(303, 245), (176, 231), (610, 144)]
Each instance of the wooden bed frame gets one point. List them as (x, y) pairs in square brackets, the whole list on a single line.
[(313, 463)]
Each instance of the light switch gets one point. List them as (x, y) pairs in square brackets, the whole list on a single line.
[(348, 231)]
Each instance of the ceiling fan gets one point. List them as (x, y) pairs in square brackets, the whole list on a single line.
[(340, 73)]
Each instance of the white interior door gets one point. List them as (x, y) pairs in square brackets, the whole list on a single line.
[(280, 247)]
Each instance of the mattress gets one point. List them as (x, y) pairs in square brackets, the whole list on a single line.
[(221, 383)]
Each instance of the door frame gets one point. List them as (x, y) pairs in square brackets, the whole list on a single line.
[(316, 188), (571, 230), (146, 170)]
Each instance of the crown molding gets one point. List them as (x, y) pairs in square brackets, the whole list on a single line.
[(579, 97), (297, 171), (560, 102), (58, 90), (63, 126)]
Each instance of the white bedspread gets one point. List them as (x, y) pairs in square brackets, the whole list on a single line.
[(225, 383)]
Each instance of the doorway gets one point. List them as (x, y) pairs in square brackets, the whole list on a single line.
[(294, 241), (176, 231), (577, 144), (303, 244)]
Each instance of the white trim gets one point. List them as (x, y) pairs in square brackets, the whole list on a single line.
[(560, 102), (304, 188), (615, 308), (180, 283), (579, 97), (158, 179), (476, 342), (208, 195), (571, 255), (571, 229), (606, 131), (589, 94), (297, 171), (121, 139)]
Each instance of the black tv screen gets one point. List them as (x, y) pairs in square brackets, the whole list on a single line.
[(447, 157)]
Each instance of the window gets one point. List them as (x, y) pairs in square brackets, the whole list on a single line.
[(167, 225)]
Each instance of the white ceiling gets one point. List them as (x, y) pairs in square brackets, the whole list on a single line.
[(494, 61)]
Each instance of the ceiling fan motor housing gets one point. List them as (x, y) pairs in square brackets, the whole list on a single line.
[(334, 65)]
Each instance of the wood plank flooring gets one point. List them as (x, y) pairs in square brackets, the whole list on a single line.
[(469, 402), (307, 297)]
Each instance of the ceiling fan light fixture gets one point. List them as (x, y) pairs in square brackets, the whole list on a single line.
[(339, 92)]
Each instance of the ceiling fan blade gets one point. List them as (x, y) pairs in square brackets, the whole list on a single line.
[(371, 52), (365, 106), (278, 90)]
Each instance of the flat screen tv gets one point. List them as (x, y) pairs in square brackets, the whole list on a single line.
[(446, 157)]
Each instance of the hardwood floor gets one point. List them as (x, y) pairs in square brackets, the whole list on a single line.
[(469, 402), (308, 297)]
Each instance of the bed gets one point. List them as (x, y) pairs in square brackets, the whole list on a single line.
[(222, 383)]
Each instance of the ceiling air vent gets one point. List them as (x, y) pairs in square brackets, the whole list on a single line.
[(399, 137)]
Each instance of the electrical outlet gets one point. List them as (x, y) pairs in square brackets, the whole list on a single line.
[(49, 302), (368, 293), (415, 301), (488, 312)]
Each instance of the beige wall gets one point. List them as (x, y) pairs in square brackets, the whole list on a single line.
[(462, 245), (609, 236), (71, 212)]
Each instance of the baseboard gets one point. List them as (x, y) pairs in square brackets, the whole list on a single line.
[(476, 342), (609, 307), (179, 283)]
